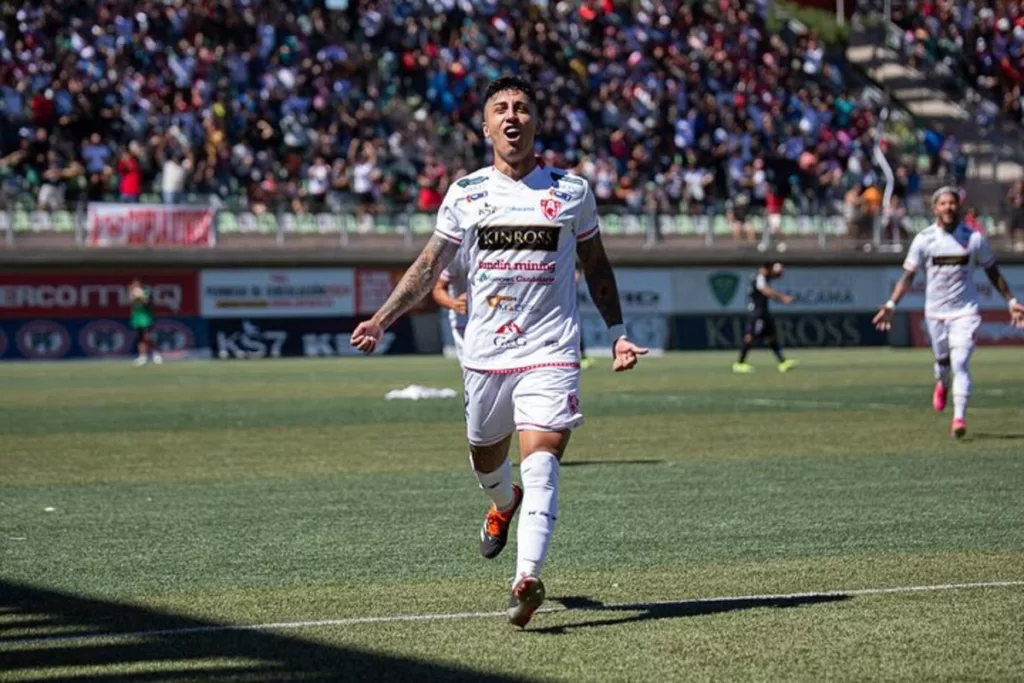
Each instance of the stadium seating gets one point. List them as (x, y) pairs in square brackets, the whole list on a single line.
[(238, 99)]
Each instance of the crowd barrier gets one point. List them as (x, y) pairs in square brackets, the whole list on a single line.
[(110, 224), (253, 313)]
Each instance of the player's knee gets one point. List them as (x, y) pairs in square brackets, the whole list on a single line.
[(748, 339), (539, 470)]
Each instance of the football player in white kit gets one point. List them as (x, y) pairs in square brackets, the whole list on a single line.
[(949, 251), (450, 292), (522, 226)]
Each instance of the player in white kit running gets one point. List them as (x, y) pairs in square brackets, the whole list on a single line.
[(949, 251), (450, 291), (522, 226)]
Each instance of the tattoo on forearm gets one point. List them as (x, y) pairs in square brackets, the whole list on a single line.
[(999, 282), (600, 280), (902, 285), (418, 280)]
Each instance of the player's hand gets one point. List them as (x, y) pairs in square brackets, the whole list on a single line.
[(366, 336), (1017, 315), (460, 304), (883, 319), (626, 354), (787, 299)]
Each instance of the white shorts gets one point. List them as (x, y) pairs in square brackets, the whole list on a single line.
[(543, 400), (955, 333)]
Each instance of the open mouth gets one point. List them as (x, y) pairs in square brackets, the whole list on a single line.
[(513, 133)]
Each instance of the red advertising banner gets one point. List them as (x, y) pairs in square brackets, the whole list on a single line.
[(118, 225), (75, 294), (373, 285), (995, 330)]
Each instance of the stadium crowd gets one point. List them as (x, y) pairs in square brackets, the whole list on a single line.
[(663, 105), (981, 39)]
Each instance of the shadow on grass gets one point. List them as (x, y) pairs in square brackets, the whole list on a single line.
[(177, 648), (997, 436), (674, 610), (588, 463)]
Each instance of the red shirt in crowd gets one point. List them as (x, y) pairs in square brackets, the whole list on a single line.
[(131, 176)]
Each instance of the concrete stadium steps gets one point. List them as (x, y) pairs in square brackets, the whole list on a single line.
[(993, 167)]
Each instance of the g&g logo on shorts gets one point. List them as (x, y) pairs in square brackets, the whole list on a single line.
[(105, 338), (170, 336), (510, 335), (573, 402), (44, 340)]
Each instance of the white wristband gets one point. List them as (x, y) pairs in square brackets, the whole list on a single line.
[(1012, 302), (890, 304), (615, 333)]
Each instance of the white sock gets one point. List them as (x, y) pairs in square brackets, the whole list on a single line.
[(497, 484), (538, 512), (942, 374), (961, 382)]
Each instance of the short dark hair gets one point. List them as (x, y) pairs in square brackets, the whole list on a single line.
[(503, 83)]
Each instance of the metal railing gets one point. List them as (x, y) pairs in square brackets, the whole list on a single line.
[(283, 228)]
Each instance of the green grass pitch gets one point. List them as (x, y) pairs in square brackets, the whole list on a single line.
[(179, 503)]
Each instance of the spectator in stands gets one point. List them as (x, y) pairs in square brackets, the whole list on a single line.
[(172, 180), (318, 182), (254, 92), (129, 177)]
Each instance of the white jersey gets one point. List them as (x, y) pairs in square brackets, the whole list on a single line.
[(454, 276), (519, 239), (949, 260)]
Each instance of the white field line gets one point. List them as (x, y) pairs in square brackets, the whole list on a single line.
[(462, 616)]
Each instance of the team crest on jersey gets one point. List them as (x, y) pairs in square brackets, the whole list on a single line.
[(550, 208)]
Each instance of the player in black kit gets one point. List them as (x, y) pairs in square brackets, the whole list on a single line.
[(760, 323)]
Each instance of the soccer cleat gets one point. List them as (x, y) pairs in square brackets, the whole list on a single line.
[(939, 397), (787, 365), (158, 359), (742, 367), (527, 596), (959, 428), (587, 363), (494, 533), (140, 361)]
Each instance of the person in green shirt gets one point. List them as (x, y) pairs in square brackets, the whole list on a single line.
[(141, 302)]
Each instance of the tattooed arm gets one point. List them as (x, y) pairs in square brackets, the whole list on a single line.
[(605, 295), (417, 281), (600, 279), (414, 285), (998, 281), (883, 318)]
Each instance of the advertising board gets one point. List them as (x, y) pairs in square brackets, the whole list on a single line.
[(725, 331), (255, 338), (641, 291), (118, 225), (277, 292), (56, 339), (995, 330), (824, 290), (85, 294)]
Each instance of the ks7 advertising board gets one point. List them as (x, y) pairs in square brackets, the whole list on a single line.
[(255, 338), (71, 294)]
